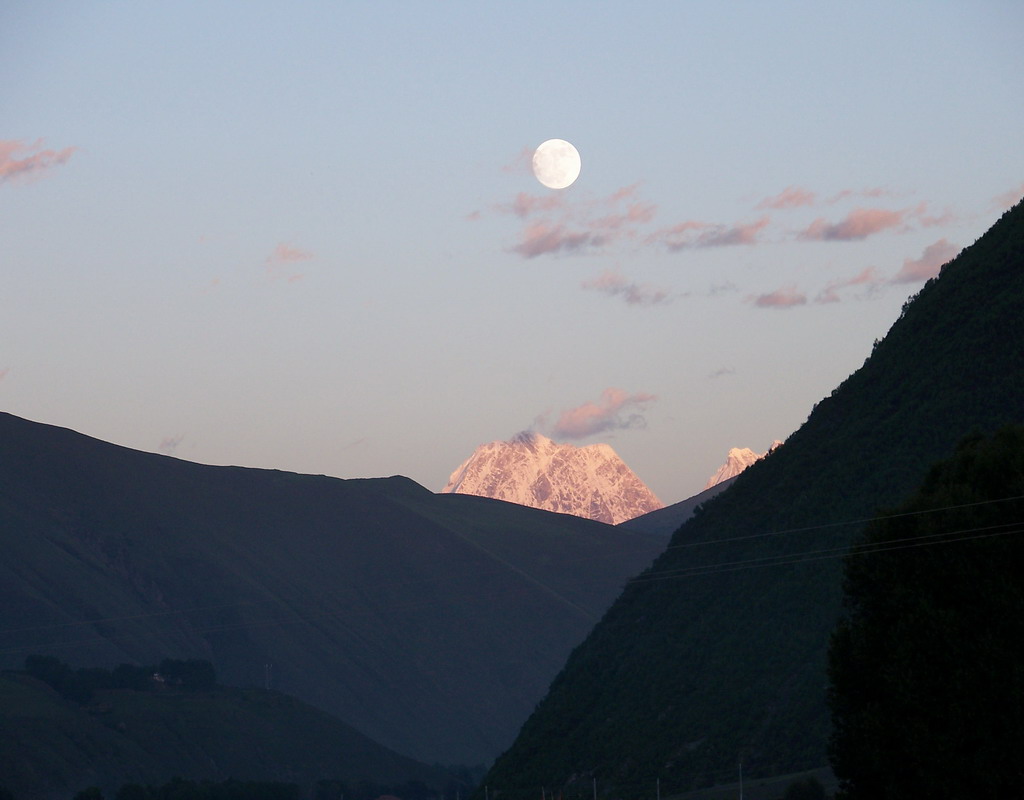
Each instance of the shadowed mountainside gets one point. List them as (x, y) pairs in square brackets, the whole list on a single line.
[(666, 521), (717, 652), (430, 623), (51, 746)]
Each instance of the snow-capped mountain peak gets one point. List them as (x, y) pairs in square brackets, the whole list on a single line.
[(532, 470), (739, 459)]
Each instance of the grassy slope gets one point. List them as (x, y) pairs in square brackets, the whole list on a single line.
[(49, 746), (688, 673), (431, 623)]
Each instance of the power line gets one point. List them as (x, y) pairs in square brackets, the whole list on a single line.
[(844, 523), (825, 554)]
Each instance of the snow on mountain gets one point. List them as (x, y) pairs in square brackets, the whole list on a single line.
[(739, 459), (532, 470)]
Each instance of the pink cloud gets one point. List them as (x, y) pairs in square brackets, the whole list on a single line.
[(859, 224), (636, 214), (32, 163), (790, 197), (786, 297), (605, 415), (615, 285), (877, 191), (868, 277), (928, 265), (540, 238), (927, 220), (526, 204), (522, 163), (3, 372), (1009, 199), (680, 236), (559, 223), (285, 253)]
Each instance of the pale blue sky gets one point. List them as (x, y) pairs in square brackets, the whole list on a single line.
[(288, 235)]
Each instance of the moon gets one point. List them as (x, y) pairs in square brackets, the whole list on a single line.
[(556, 163)]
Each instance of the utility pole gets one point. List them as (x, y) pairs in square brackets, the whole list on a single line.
[(741, 779), (595, 788), (659, 788)]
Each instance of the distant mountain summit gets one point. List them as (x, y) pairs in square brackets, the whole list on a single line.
[(531, 470), (739, 459)]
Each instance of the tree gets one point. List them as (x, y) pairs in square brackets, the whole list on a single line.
[(926, 680)]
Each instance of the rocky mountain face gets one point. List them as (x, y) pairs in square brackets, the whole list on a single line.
[(739, 459), (531, 470)]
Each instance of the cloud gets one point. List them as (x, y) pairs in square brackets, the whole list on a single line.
[(526, 204), (608, 414), (3, 372), (859, 224), (169, 444), (786, 297), (540, 238), (32, 163), (521, 163), (560, 223), (693, 234), (1009, 199), (286, 254), (868, 277), (718, 373), (928, 265), (790, 197), (615, 285), (877, 191)]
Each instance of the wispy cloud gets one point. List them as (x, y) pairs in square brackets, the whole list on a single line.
[(786, 297), (616, 285), (169, 444), (928, 265), (846, 194), (790, 197), (3, 372), (553, 224), (521, 163), (858, 224), (696, 234), (540, 238), (33, 160), (868, 278), (723, 371), (285, 254), (1009, 199), (612, 412), (525, 204)]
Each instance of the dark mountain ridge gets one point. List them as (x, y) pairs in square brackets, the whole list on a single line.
[(716, 654), (430, 623)]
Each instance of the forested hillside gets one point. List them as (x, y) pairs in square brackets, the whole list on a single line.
[(716, 654)]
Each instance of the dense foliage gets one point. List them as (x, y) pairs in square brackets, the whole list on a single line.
[(718, 652), (927, 682)]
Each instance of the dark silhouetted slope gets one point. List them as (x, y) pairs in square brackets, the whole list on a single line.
[(717, 653), (431, 623), (50, 746), (666, 521)]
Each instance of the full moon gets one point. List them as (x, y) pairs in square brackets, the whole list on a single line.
[(556, 163)]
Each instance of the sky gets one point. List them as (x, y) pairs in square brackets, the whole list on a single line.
[(307, 236)]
